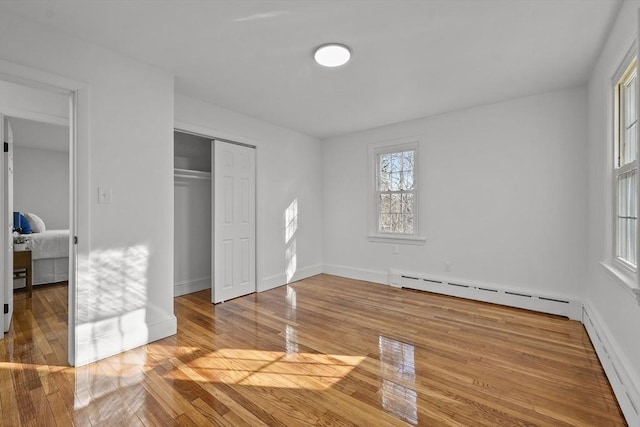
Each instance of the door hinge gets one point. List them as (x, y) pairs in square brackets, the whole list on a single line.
[(75, 240), (6, 147), (6, 308)]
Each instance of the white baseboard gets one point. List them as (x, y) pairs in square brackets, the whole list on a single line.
[(357, 273), (191, 286), (132, 331), (561, 305), (614, 365), (280, 279), (496, 294)]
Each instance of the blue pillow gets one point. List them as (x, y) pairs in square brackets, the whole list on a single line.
[(21, 224)]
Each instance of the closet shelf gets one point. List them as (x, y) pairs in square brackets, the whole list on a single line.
[(191, 174)]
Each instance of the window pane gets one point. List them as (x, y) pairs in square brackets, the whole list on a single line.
[(385, 203), (395, 181), (630, 143), (407, 203), (396, 203), (385, 163), (384, 183), (408, 223), (630, 102), (627, 122), (407, 180), (407, 160), (396, 162), (385, 223), (627, 216)]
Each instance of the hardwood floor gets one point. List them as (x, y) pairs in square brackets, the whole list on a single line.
[(324, 351)]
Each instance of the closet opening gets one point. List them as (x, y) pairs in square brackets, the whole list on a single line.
[(215, 216), (192, 213)]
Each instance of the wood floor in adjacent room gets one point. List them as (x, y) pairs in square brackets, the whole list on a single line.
[(323, 351)]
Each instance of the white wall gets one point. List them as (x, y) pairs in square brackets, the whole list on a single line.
[(41, 185), (503, 191), (125, 293), (288, 170), (610, 301)]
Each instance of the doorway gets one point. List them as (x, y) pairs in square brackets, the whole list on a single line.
[(51, 101)]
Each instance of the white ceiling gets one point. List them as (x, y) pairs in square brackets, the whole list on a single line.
[(410, 58)]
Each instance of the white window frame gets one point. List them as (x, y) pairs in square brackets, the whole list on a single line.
[(619, 170), (621, 76), (375, 150), (624, 273)]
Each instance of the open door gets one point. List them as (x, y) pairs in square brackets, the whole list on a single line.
[(7, 223), (233, 246)]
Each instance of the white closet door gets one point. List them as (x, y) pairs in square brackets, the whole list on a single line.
[(234, 236), (7, 226)]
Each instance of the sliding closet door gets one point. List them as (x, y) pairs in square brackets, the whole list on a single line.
[(234, 236)]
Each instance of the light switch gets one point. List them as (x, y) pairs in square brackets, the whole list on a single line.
[(104, 195)]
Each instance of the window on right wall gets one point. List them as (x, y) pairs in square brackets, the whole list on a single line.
[(626, 166)]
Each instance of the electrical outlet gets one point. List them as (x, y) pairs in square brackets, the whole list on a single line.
[(396, 249)]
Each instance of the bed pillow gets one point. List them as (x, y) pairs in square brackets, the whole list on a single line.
[(20, 223), (37, 224)]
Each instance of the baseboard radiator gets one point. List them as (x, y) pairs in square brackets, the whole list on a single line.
[(619, 378), (492, 294)]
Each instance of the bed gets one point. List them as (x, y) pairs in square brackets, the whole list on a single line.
[(50, 255)]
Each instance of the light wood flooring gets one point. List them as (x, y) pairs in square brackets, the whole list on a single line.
[(323, 351)]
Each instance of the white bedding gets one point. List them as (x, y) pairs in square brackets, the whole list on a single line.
[(49, 244)]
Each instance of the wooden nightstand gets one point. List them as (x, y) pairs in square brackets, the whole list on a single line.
[(22, 268)]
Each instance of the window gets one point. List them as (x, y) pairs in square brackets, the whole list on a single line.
[(626, 166), (395, 193)]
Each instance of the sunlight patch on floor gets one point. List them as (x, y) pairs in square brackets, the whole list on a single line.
[(261, 368)]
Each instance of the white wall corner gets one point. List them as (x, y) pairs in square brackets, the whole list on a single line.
[(624, 385), (374, 276), (280, 279), (191, 286), (576, 308), (395, 278)]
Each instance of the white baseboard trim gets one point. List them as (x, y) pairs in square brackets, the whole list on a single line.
[(277, 280), (561, 305), (357, 273), (614, 365), (134, 332), (191, 286), (487, 292)]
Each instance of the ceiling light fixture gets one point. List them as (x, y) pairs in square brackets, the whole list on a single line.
[(332, 55)]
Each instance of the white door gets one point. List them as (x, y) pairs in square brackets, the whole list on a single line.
[(7, 224), (233, 246)]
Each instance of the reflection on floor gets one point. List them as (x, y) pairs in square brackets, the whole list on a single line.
[(322, 351)]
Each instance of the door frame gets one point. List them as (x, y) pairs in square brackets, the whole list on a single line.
[(6, 236), (203, 132), (78, 122)]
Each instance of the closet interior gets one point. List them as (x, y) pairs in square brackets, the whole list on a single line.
[(192, 213)]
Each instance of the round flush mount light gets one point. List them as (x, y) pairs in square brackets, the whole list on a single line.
[(332, 55)]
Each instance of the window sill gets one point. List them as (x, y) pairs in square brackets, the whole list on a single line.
[(628, 283), (398, 239)]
